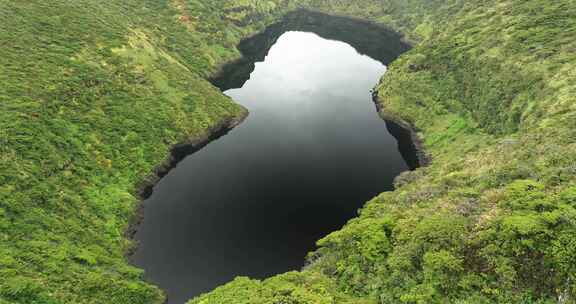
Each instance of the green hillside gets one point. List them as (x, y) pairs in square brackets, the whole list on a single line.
[(94, 93), (490, 88), (92, 96)]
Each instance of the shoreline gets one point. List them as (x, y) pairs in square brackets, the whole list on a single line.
[(177, 153), (180, 151), (424, 159)]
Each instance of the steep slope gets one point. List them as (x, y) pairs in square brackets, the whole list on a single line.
[(489, 88), (92, 96)]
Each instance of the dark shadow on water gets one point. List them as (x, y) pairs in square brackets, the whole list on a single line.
[(406, 145), (372, 40)]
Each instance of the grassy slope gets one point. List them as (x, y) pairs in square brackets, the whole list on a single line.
[(491, 88), (92, 95)]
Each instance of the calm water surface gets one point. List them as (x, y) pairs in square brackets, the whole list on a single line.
[(254, 202)]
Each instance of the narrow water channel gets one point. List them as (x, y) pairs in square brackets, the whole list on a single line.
[(254, 202)]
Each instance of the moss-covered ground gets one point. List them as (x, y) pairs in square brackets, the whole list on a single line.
[(94, 93)]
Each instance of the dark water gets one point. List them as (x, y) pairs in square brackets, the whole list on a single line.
[(254, 202)]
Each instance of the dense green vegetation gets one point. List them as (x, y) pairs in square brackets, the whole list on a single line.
[(93, 94), (490, 88)]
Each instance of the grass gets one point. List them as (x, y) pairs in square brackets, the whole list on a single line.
[(93, 94), (489, 85)]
